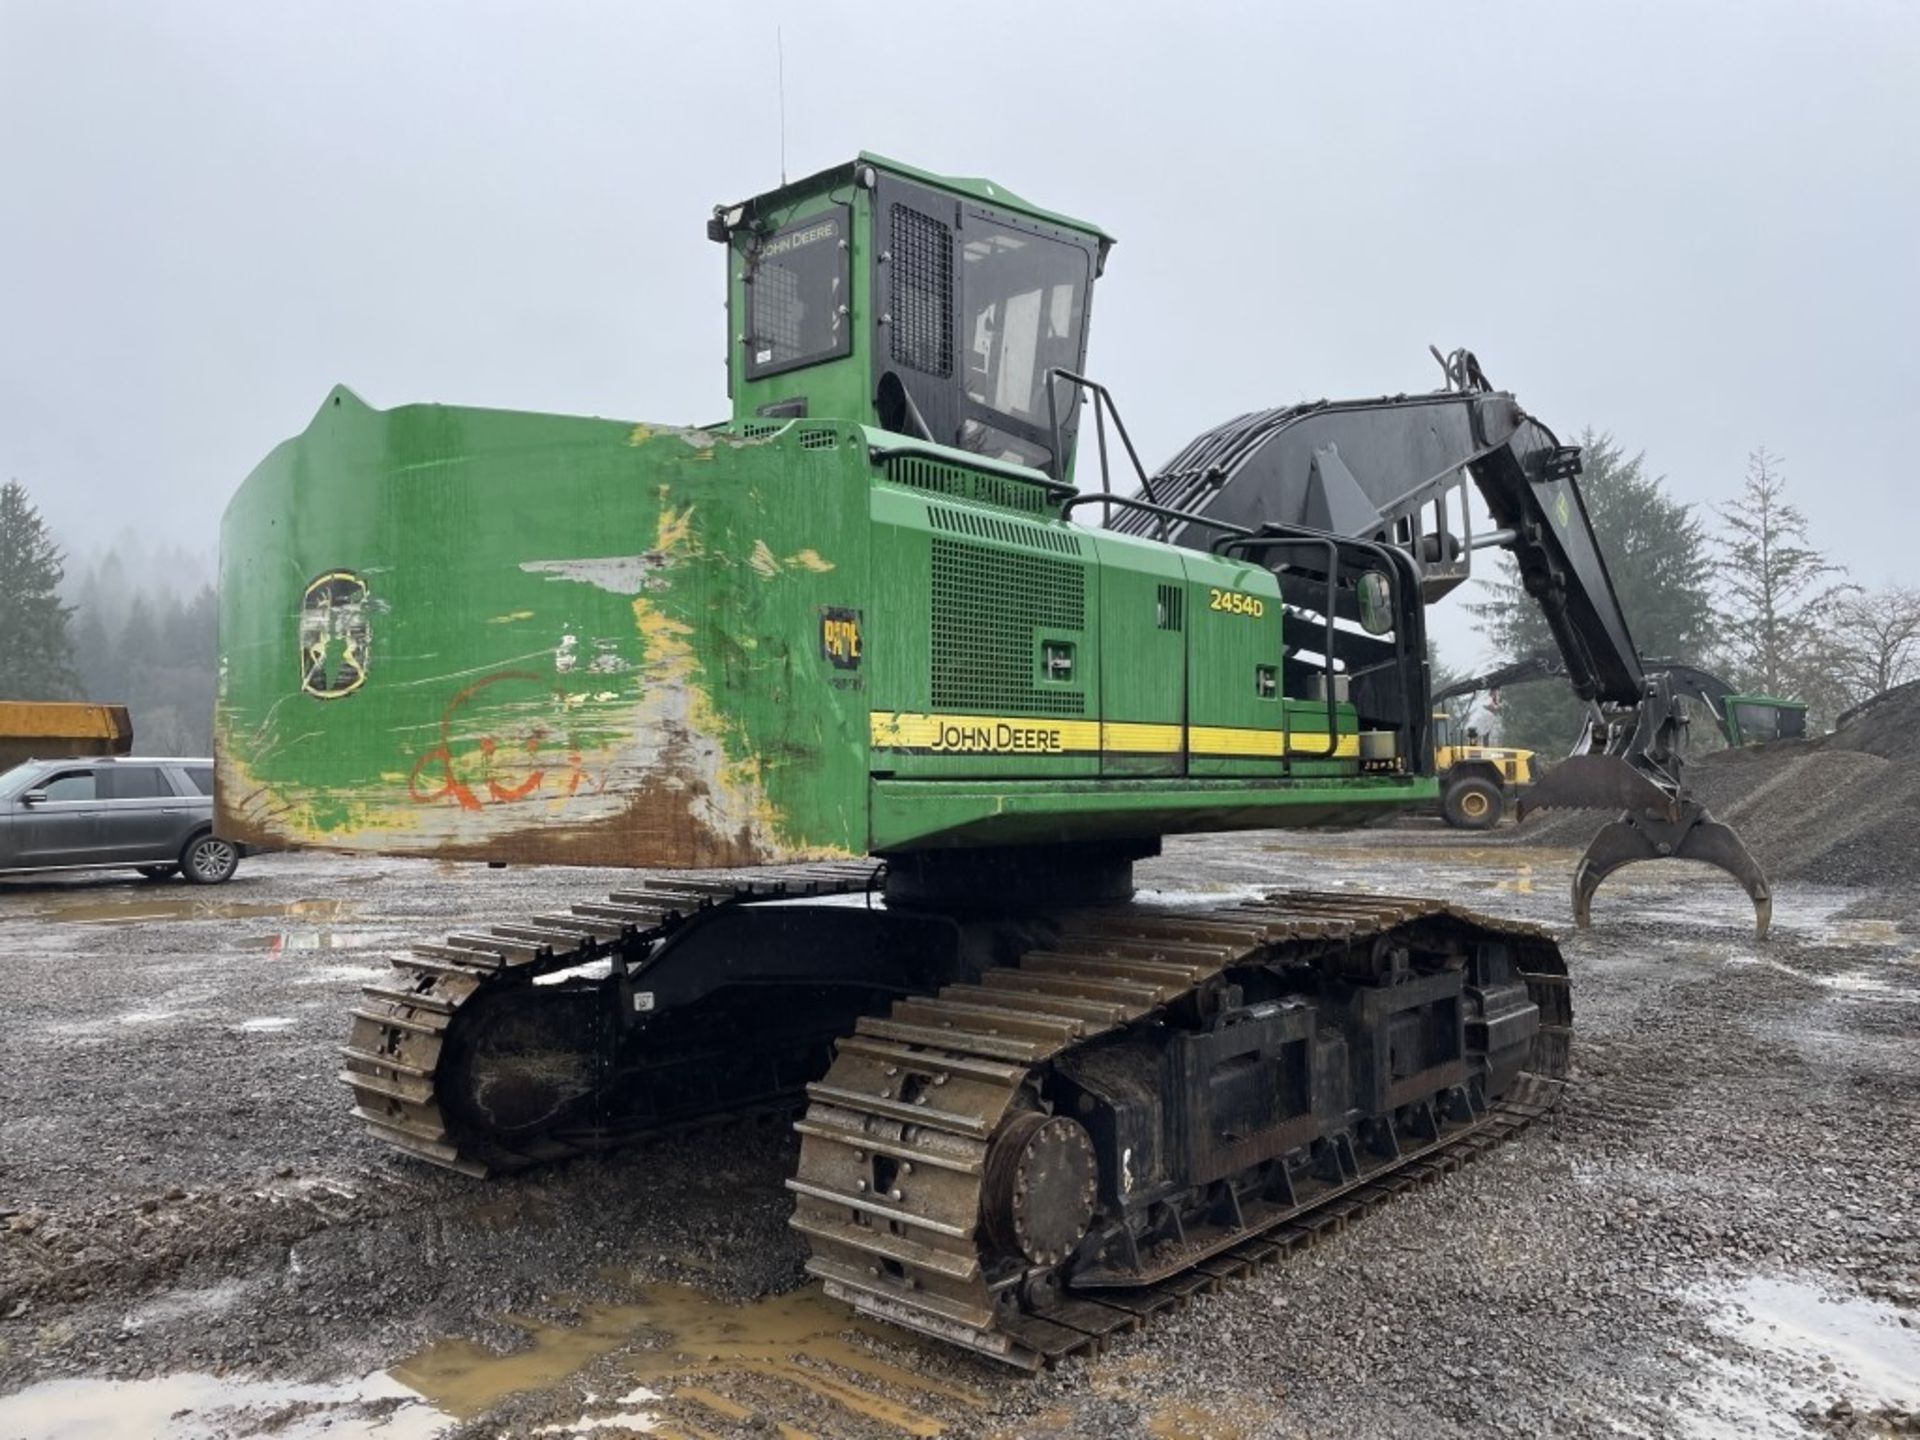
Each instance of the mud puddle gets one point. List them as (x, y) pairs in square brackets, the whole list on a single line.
[(1865, 932), (1519, 882), (1506, 855), (1799, 1350), (1858, 984), (306, 941), (193, 1407), (792, 1364), (144, 906)]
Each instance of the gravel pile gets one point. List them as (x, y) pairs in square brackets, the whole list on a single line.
[(1840, 809)]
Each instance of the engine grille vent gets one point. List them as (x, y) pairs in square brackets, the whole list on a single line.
[(920, 293), (818, 439), (964, 484), (987, 606), (1002, 528), (1171, 604)]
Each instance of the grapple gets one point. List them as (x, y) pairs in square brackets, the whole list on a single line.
[(1658, 821)]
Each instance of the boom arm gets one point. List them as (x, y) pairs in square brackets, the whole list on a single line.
[(1394, 471), (1685, 680), (1521, 672)]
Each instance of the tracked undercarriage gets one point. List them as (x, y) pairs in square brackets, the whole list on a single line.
[(1031, 1133)]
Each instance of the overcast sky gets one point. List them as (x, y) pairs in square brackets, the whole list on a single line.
[(1695, 226)]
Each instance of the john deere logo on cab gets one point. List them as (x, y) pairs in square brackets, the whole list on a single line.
[(840, 638)]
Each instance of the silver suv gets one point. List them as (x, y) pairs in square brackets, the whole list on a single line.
[(149, 814)]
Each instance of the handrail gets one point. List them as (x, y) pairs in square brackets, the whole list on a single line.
[(1285, 537), (1109, 499), (1264, 542), (1102, 403)]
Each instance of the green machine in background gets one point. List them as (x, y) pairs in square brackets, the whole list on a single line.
[(1762, 719), (861, 619)]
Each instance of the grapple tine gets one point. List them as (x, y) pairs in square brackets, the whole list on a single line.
[(1696, 835), (1719, 845)]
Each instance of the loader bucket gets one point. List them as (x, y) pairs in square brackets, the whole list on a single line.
[(1653, 825)]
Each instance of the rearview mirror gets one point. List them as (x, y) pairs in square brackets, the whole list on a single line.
[(34, 797), (1376, 603)]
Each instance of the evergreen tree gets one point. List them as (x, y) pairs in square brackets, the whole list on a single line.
[(138, 645), (1657, 555), (1777, 605), (145, 636), (35, 652), (93, 656)]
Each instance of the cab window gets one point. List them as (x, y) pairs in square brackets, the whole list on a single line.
[(70, 785), (1025, 299), (798, 295), (202, 778), (1758, 722)]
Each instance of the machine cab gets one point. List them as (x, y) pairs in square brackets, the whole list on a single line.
[(1759, 719), (932, 307)]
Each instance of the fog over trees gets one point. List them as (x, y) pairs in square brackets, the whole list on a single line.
[(117, 622)]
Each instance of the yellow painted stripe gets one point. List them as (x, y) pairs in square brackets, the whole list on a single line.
[(1312, 745), (1231, 740), (1307, 744), (1140, 739), (1031, 735)]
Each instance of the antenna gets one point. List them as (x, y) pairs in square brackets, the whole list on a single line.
[(780, 50)]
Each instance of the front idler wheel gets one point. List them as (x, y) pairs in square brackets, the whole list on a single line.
[(1042, 1184), (525, 1061)]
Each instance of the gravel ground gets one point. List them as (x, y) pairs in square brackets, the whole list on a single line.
[(1718, 1234)]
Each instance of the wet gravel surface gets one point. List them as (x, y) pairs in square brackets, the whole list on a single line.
[(181, 1190)]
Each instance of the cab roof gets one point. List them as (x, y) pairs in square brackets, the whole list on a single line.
[(987, 192)]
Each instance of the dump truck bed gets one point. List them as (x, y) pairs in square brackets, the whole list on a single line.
[(43, 730)]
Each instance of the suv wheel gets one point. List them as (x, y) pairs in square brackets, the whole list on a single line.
[(157, 872), (209, 860)]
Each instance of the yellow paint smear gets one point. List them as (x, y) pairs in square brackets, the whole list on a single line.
[(810, 560), (674, 528), (668, 655), (510, 617), (639, 435), (762, 559)]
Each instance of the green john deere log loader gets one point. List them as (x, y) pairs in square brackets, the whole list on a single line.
[(854, 669)]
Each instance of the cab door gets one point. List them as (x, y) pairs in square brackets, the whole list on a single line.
[(62, 828)]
